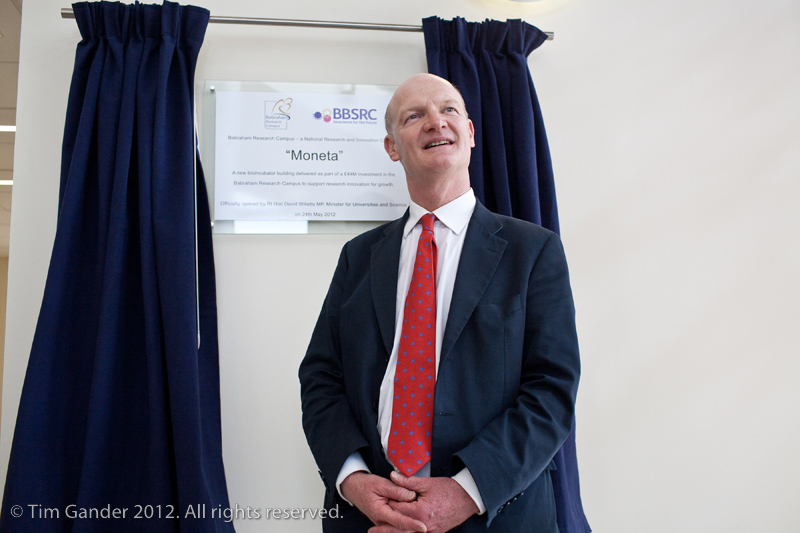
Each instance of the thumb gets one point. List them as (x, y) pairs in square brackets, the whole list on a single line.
[(410, 483)]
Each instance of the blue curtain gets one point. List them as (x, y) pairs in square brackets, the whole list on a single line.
[(120, 409), (510, 170)]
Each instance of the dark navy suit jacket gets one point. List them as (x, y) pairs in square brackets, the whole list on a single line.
[(507, 377)]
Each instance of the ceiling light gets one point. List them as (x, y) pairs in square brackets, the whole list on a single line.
[(8, 128), (6, 182)]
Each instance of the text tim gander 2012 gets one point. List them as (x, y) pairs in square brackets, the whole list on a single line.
[(200, 511)]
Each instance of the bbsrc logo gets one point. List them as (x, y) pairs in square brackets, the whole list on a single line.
[(348, 115), (325, 115)]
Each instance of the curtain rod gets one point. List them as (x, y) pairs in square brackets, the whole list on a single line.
[(67, 13)]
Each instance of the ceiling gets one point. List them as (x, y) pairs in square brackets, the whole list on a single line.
[(10, 15)]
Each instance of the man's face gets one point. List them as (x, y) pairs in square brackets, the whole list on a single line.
[(430, 133)]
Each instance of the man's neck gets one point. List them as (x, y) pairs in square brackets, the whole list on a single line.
[(434, 194)]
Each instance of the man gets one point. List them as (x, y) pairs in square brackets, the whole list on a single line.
[(496, 399)]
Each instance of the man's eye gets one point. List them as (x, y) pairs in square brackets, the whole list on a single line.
[(450, 109), (412, 116)]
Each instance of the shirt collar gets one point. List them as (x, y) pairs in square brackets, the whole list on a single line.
[(454, 215)]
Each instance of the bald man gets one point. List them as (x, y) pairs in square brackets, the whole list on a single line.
[(497, 366)]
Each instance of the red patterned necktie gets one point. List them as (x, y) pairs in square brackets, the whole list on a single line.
[(415, 375)]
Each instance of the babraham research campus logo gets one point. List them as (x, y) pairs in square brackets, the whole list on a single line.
[(276, 113)]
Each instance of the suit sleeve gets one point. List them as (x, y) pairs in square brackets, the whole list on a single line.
[(328, 421), (515, 448)]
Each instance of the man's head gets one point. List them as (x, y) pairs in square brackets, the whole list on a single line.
[(429, 132)]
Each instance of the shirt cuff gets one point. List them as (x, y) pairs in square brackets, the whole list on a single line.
[(464, 478), (354, 463)]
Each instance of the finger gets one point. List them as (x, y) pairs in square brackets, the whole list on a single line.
[(385, 528), (398, 493), (401, 521), (407, 509), (410, 483), (412, 510)]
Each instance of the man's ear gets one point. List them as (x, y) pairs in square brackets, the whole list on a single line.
[(471, 134), (388, 145)]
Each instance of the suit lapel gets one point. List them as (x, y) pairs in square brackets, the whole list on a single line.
[(384, 265), (479, 259)]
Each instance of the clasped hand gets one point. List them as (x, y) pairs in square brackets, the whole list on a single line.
[(409, 504)]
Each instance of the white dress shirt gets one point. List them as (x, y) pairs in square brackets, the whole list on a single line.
[(449, 231)]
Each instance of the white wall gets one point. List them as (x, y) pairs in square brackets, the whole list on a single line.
[(674, 128), (3, 294)]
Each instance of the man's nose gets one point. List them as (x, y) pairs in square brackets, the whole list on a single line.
[(434, 121)]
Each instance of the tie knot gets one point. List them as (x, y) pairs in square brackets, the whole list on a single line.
[(427, 222)]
